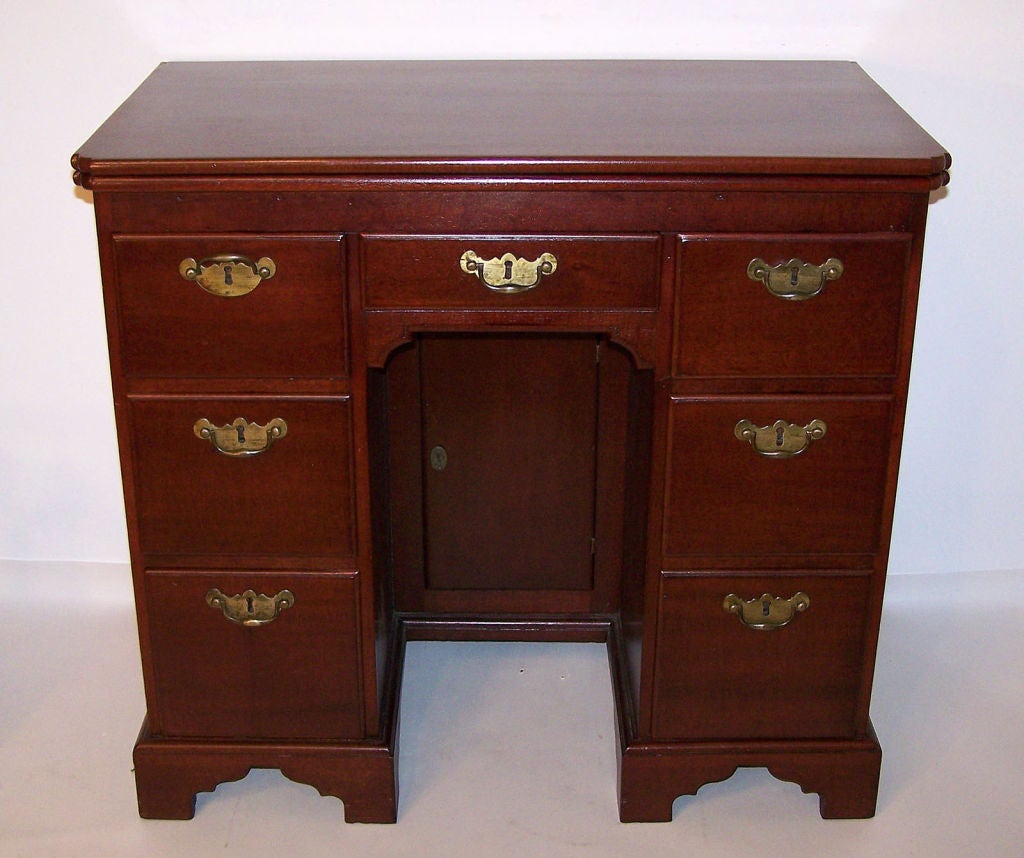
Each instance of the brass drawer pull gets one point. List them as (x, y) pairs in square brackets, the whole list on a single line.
[(767, 613), (228, 276), (780, 440), (795, 280), (509, 273), (240, 438), (248, 608)]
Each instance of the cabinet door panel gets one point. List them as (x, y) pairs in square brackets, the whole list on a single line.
[(512, 504)]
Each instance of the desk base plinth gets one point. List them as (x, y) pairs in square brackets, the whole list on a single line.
[(844, 773), (169, 773)]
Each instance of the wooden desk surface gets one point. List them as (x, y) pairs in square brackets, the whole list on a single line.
[(470, 117)]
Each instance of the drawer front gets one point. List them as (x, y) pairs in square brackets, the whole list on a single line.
[(295, 677), (733, 491), (200, 490), (732, 325), (428, 272), (289, 325), (719, 677)]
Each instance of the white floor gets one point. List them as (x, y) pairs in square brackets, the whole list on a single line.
[(508, 749)]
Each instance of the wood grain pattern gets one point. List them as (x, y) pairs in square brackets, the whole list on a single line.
[(514, 506), (725, 500), (292, 325), (599, 272), (522, 117), (717, 679), (216, 679), (843, 774), (526, 515), (655, 183), (730, 325), (294, 499)]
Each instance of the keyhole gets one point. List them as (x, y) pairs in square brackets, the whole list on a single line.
[(241, 434), (439, 458), (794, 272), (779, 436), (249, 605), (227, 275), (766, 607), (508, 269)]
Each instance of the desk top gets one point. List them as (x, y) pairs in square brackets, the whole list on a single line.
[(510, 117)]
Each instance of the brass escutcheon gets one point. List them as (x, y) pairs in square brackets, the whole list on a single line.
[(248, 608), (795, 280), (438, 458), (228, 276), (780, 440), (240, 437), (509, 273), (767, 613)]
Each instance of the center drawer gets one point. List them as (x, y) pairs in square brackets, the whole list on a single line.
[(534, 272)]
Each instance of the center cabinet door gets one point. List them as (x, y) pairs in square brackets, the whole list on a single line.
[(507, 456)]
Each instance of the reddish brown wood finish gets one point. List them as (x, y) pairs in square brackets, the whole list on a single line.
[(169, 774), (843, 774), (527, 514), (216, 679), (455, 118), (293, 499), (292, 325), (365, 182), (726, 500), (593, 273), (718, 679), (513, 505), (731, 325)]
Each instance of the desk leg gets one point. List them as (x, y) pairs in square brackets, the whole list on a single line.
[(169, 773), (844, 774)]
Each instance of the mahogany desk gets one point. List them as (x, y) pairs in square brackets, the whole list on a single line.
[(599, 351)]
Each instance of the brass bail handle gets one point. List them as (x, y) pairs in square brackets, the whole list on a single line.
[(767, 613), (228, 275), (780, 440), (795, 280), (240, 437), (249, 608), (509, 273)]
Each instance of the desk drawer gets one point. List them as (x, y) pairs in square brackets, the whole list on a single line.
[(730, 323), (282, 486), (716, 677), (295, 677), (291, 324), (733, 490), (434, 272)]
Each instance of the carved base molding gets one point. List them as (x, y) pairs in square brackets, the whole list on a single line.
[(844, 774), (169, 773)]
